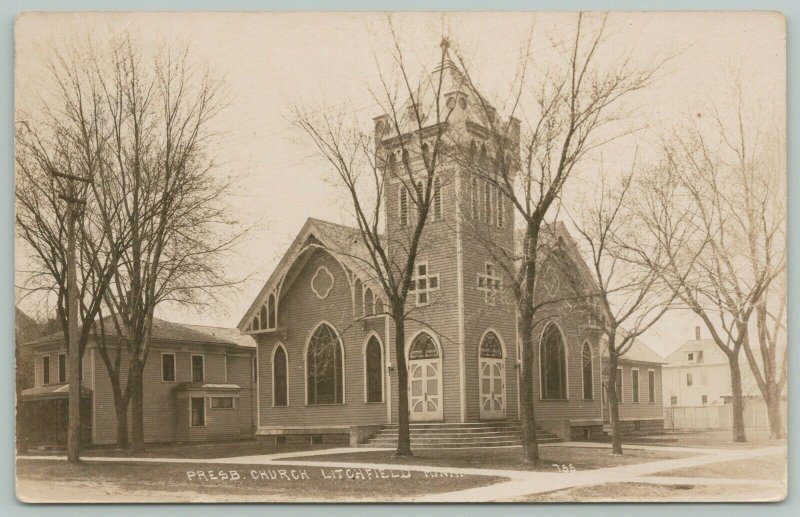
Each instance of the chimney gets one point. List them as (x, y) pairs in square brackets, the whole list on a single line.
[(697, 333)]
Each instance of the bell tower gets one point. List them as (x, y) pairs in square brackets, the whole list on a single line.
[(458, 297)]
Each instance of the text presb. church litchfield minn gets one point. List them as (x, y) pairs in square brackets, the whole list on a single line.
[(325, 349)]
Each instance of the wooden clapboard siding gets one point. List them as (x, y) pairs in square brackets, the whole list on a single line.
[(300, 312), (643, 410)]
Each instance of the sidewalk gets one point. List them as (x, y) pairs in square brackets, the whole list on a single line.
[(520, 482)]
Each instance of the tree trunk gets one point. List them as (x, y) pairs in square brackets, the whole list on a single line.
[(529, 442), (74, 350), (774, 414), (137, 406), (122, 427), (403, 431), (613, 407), (738, 401)]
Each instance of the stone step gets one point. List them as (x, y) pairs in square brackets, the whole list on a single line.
[(441, 435)]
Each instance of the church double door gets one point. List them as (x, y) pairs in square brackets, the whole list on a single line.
[(491, 364), (424, 380)]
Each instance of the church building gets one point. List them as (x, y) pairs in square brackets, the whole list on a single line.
[(326, 348)]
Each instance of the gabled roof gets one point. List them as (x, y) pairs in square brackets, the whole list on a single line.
[(638, 352), (162, 331), (228, 334), (343, 242)]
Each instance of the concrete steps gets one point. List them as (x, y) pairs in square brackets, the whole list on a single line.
[(437, 435)]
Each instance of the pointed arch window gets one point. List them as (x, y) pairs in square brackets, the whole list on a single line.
[(490, 346), (263, 317), (280, 375), (553, 363), (587, 373), (369, 302), (272, 322), (373, 357), (324, 367), (423, 347)]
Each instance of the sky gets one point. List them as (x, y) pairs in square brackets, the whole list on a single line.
[(274, 62)]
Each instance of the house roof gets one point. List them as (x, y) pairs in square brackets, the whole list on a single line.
[(638, 352), (228, 334), (162, 331), (51, 391)]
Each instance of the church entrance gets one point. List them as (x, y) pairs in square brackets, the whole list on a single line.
[(492, 378), (424, 379)]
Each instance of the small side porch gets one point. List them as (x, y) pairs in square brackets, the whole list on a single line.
[(43, 413)]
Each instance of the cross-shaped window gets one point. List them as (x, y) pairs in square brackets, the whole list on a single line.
[(490, 283), (423, 283)]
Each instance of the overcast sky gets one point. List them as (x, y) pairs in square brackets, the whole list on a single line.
[(272, 62)]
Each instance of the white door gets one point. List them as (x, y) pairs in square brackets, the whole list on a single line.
[(424, 390), (493, 389), (491, 364)]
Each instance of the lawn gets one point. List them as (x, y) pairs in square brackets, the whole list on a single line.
[(195, 451), (581, 458), (716, 438), (638, 492), (766, 467), (59, 481)]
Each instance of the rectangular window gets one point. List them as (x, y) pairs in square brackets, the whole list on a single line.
[(501, 209), (198, 368), (487, 203), (437, 199), (62, 368), (168, 367), (475, 198), (673, 400), (690, 356), (635, 384), (403, 206), (46, 369), (222, 403), (688, 379), (198, 412), (651, 386), (705, 399), (618, 384)]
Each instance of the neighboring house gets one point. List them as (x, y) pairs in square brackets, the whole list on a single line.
[(199, 384), (326, 349), (25, 329), (639, 379), (698, 373)]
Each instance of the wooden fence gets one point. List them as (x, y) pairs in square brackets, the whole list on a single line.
[(717, 417)]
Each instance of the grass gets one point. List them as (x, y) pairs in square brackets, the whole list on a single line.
[(644, 492), (196, 451), (59, 481), (766, 467), (507, 458), (717, 439)]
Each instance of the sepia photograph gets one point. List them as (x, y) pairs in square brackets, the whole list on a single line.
[(408, 257)]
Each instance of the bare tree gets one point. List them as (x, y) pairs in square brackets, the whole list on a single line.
[(737, 224), (171, 205), (60, 151), (626, 266), (400, 156), (576, 110)]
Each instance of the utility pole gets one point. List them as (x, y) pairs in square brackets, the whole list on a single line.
[(73, 308)]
